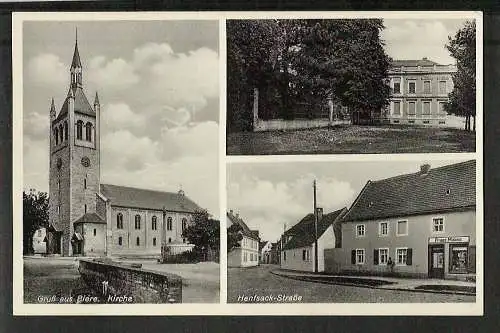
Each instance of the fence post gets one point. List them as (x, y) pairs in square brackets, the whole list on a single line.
[(255, 107)]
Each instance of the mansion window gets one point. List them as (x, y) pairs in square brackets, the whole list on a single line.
[(169, 223), (119, 221), (153, 223), (383, 229), (441, 108), (427, 108), (397, 88), (442, 87), (360, 230), (184, 224), (120, 240), (403, 256), (88, 132), (79, 129), (411, 109), (438, 224), (427, 87), (380, 256), (154, 241), (137, 241), (137, 222), (402, 228), (396, 108), (412, 87)]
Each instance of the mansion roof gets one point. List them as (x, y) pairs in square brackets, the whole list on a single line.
[(414, 63), (447, 188), (245, 229), (302, 233), (147, 199)]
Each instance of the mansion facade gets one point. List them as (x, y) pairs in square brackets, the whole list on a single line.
[(89, 218)]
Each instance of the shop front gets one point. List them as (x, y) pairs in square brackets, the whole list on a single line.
[(451, 257)]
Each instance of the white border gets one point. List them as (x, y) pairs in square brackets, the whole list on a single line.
[(430, 309)]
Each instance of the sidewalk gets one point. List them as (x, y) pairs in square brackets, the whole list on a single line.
[(379, 282)]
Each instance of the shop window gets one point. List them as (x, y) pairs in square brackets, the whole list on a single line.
[(360, 230), (472, 259), (459, 255)]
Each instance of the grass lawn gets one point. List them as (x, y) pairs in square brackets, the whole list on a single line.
[(352, 139)]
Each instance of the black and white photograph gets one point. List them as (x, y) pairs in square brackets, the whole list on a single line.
[(351, 86), (120, 162), (352, 232)]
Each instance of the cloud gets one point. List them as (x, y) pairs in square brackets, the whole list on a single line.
[(36, 125), (115, 74), (47, 69), (120, 116)]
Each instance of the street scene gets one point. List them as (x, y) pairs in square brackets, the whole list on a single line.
[(351, 86), (334, 232)]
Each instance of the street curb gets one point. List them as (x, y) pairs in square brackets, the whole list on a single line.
[(298, 277)]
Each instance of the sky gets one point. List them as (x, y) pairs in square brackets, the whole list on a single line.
[(269, 195), (407, 39), (159, 92)]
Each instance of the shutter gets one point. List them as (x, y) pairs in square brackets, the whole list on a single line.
[(409, 259), (375, 256), (353, 257)]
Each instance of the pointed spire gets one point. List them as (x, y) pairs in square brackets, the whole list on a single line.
[(96, 99), (76, 55), (52, 106)]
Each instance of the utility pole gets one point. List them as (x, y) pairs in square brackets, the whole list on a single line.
[(315, 230)]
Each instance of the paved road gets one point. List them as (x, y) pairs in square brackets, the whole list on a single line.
[(261, 282)]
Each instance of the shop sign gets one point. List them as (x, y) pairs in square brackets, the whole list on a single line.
[(449, 239)]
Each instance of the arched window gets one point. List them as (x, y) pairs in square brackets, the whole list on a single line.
[(169, 223), (66, 130), (138, 221), (95, 232), (120, 241), (184, 224), (79, 129), (61, 134), (153, 223), (119, 221), (170, 240), (137, 241), (88, 131), (154, 241), (56, 135)]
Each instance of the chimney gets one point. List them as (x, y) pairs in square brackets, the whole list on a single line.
[(319, 211), (424, 169), (237, 215), (231, 211), (425, 58)]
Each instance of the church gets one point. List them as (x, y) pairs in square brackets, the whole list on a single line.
[(89, 218)]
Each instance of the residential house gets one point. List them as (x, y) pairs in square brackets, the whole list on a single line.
[(40, 241), (299, 241), (275, 253), (247, 254), (265, 252), (419, 90), (424, 222)]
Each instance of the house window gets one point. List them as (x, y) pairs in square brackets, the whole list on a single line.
[(360, 230), (137, 221), (403, 256), (411, 109), (120, 241), (119, 221), (184, 224), (396, 108), (438, 224), (153, 223), (380, 256), (88, 131), (427, 108), (360, 256), (154, 241), (411, 87), (442, 87), (95, 231), (137, 241), (305, 255), (459, 255), (402, 228), (442, 111), (79, 129), (397, 87), (383, 229), (169, 223), (427, 87)]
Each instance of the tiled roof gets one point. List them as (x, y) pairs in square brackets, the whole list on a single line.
[(414, 63), (148, 199), (82, 104), (90, 218), (76, 57), (447, 188), (245, 230), (303, 232)]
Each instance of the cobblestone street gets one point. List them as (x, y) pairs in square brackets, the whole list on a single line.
[(260, 282)]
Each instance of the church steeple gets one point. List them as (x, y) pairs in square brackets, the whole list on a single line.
[(76, 66)]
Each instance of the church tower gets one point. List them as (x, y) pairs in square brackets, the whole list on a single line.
[(74, 163)]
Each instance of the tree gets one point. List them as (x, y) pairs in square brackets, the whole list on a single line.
[(234, 236), (462, 100), (35, 215), (204, 233)]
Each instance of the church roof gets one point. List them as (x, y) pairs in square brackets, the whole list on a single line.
[(82, 104), (90, 218), (148, 199), (76, 57)]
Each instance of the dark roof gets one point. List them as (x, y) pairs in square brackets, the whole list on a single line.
[(148, 199), (245, 230), (76, 57), (412, 63), (303, 232), (82, 104), (90, 218), (451, 187)]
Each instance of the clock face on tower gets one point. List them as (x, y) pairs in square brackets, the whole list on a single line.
[(85, 161)]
